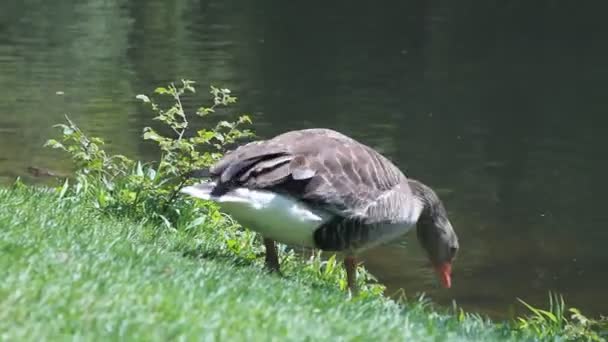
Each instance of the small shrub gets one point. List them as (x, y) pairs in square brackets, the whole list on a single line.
[(118, 185)]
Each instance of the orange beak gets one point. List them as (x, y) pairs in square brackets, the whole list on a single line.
[(445, 274)]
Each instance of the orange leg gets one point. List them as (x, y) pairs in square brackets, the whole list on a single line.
[(272, 257), (350, 264)]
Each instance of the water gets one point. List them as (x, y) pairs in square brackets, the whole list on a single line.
[(501, 107)]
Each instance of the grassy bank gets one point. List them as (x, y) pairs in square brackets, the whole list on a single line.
[(69, 271), (117, 254)]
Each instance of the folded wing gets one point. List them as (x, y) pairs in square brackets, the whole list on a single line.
[(320, 167)]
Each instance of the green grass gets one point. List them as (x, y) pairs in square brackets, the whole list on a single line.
[(70, 273)]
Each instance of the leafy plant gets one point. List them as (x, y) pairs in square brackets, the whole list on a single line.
[(181, 154), (118, 185), (554, 321), (87, 153)]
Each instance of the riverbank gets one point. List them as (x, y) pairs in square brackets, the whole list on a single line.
[(69, 271)]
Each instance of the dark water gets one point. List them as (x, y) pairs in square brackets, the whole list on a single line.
[(500, 105)]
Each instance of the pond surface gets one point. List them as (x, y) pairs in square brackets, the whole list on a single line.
[(502, 107)]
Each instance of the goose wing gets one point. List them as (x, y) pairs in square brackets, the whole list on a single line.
[(322, 168)]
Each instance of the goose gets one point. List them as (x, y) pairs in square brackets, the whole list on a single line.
[(321, 189)]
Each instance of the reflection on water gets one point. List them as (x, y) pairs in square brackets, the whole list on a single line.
[(501, 106)]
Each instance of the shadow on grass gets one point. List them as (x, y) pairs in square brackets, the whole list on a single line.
[(292, 271), (200, 252)]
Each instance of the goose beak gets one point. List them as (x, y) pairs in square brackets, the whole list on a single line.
[(444, 270)]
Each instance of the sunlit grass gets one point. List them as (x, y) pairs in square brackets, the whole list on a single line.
[(68, 272)]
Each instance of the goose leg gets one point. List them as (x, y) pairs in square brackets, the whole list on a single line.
[(272, 258), (350, 264)]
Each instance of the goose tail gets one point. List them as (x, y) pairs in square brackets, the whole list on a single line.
[(203, 191), (210, 191)]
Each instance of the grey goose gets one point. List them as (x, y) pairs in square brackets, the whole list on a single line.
[(319, 188)]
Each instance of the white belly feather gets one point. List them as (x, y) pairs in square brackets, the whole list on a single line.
[(275, 216)]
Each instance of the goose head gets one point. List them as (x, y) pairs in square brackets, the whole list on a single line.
[(435, 232)]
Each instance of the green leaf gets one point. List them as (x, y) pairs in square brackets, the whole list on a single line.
[(150, 134), (549, 315), (197, 222), (203, 111), (143, 98), (165, 221), (188, 86), (162, 90), (67, 130), (244, 119), (96, 140), (225, 124), (108, 184), (64, 188), (139, 171), (54, 144)]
